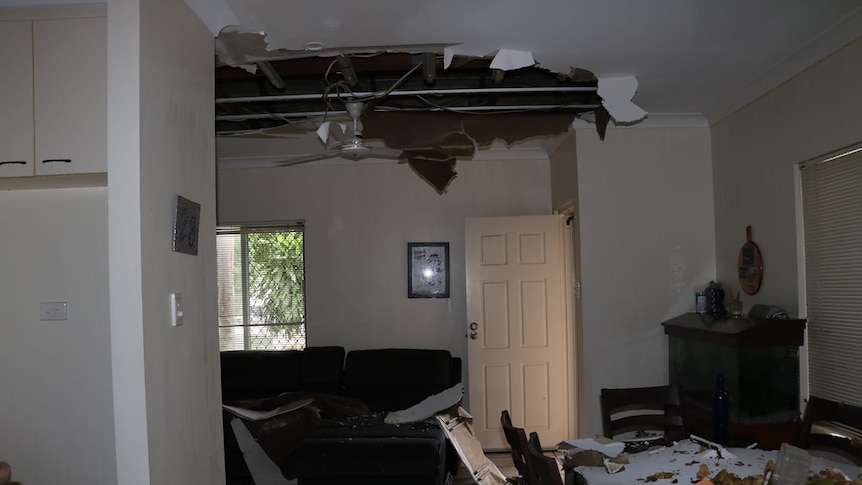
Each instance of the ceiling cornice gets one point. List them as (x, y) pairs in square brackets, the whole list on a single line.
[(843, 33)]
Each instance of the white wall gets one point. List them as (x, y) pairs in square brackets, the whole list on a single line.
[(161, 144), (755, 153), (359, 218), (647, 244), (55, 377)]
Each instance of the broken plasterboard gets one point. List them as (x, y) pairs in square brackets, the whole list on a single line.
[(255, 415), (617, 94), (428, 407), (458, 426)]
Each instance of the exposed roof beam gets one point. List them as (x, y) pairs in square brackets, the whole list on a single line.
[(415, 92), (310, 114)]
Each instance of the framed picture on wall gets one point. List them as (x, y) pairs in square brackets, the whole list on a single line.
[(186, 224), (427, 270)]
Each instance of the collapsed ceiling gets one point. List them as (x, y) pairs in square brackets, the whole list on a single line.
[(288, 91), (461, 103)]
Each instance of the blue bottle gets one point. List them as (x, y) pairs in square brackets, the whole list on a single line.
[(720, 412)]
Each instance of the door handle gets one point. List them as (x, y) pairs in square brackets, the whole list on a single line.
[(473, 333)]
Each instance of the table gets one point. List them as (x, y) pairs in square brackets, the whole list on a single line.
[(683, 461)]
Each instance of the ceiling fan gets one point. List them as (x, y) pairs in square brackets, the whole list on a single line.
[(348, 140)]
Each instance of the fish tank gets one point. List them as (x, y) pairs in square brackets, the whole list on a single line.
[(759, 360)]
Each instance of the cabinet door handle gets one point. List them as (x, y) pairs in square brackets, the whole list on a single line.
[(52, 160), (19, 162)]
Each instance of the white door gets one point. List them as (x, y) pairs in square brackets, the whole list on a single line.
[(517, 327)]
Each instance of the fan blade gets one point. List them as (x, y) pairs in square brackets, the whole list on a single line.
[(308, 159), (386, 152)]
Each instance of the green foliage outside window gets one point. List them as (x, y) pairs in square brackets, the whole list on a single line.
[(261, 288)]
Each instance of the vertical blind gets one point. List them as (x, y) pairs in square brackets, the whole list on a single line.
[(832, 225)]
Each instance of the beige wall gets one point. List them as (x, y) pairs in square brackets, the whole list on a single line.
[(564, 173), (55, 404), (755, 152), (359, 218), (564, 197), (646, 244), (161, 144)]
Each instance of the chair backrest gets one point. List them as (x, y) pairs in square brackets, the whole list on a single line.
[(834, 427), (547, 471), (655, 408), (517, 439)]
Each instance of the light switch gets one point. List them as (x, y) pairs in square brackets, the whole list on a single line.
[(52, 310), (176, 309)]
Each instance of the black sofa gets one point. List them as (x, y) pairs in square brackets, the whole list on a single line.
[(361, 449)]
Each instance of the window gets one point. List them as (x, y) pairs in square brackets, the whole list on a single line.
[(832, 231), (261, 287)]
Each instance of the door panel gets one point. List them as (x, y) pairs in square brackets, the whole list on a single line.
[(517, 357)]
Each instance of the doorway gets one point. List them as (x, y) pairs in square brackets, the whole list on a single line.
[(520, 302)]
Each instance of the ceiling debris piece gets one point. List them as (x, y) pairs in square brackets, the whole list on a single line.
[(508, 60), (438, 173), (239, 49), (517, 127), (617, 94), (466, 50), (433, 150), (407, 130), (457, 423), (602, 119), (428, 407), (243, 47), (579, 75), (326, 126)]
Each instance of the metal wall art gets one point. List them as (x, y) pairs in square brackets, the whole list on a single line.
[(186, 226)]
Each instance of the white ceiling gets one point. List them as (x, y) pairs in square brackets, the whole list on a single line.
[(694, 57), (689, 56)]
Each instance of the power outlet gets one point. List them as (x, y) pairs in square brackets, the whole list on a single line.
[(176, 309), (52, 310)]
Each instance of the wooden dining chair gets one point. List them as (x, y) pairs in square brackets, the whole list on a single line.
[(546, 468), (644, 409), (517, 439), (833, 427)]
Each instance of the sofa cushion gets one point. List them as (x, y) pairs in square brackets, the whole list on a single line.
[(251, 374), (323, 369), (365, 448), (394, 379)]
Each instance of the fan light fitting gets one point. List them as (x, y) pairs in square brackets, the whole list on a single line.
[(353, 149)]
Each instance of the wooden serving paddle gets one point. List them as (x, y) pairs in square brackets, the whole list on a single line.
[(750, 264)]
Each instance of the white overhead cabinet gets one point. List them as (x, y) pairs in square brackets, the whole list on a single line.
[(55, 98), (16, 99), (70, 79)]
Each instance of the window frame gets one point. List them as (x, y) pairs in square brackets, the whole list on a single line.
[(243, 230), (822, 367)]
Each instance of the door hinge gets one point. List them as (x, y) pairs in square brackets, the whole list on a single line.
[(577, 289)]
